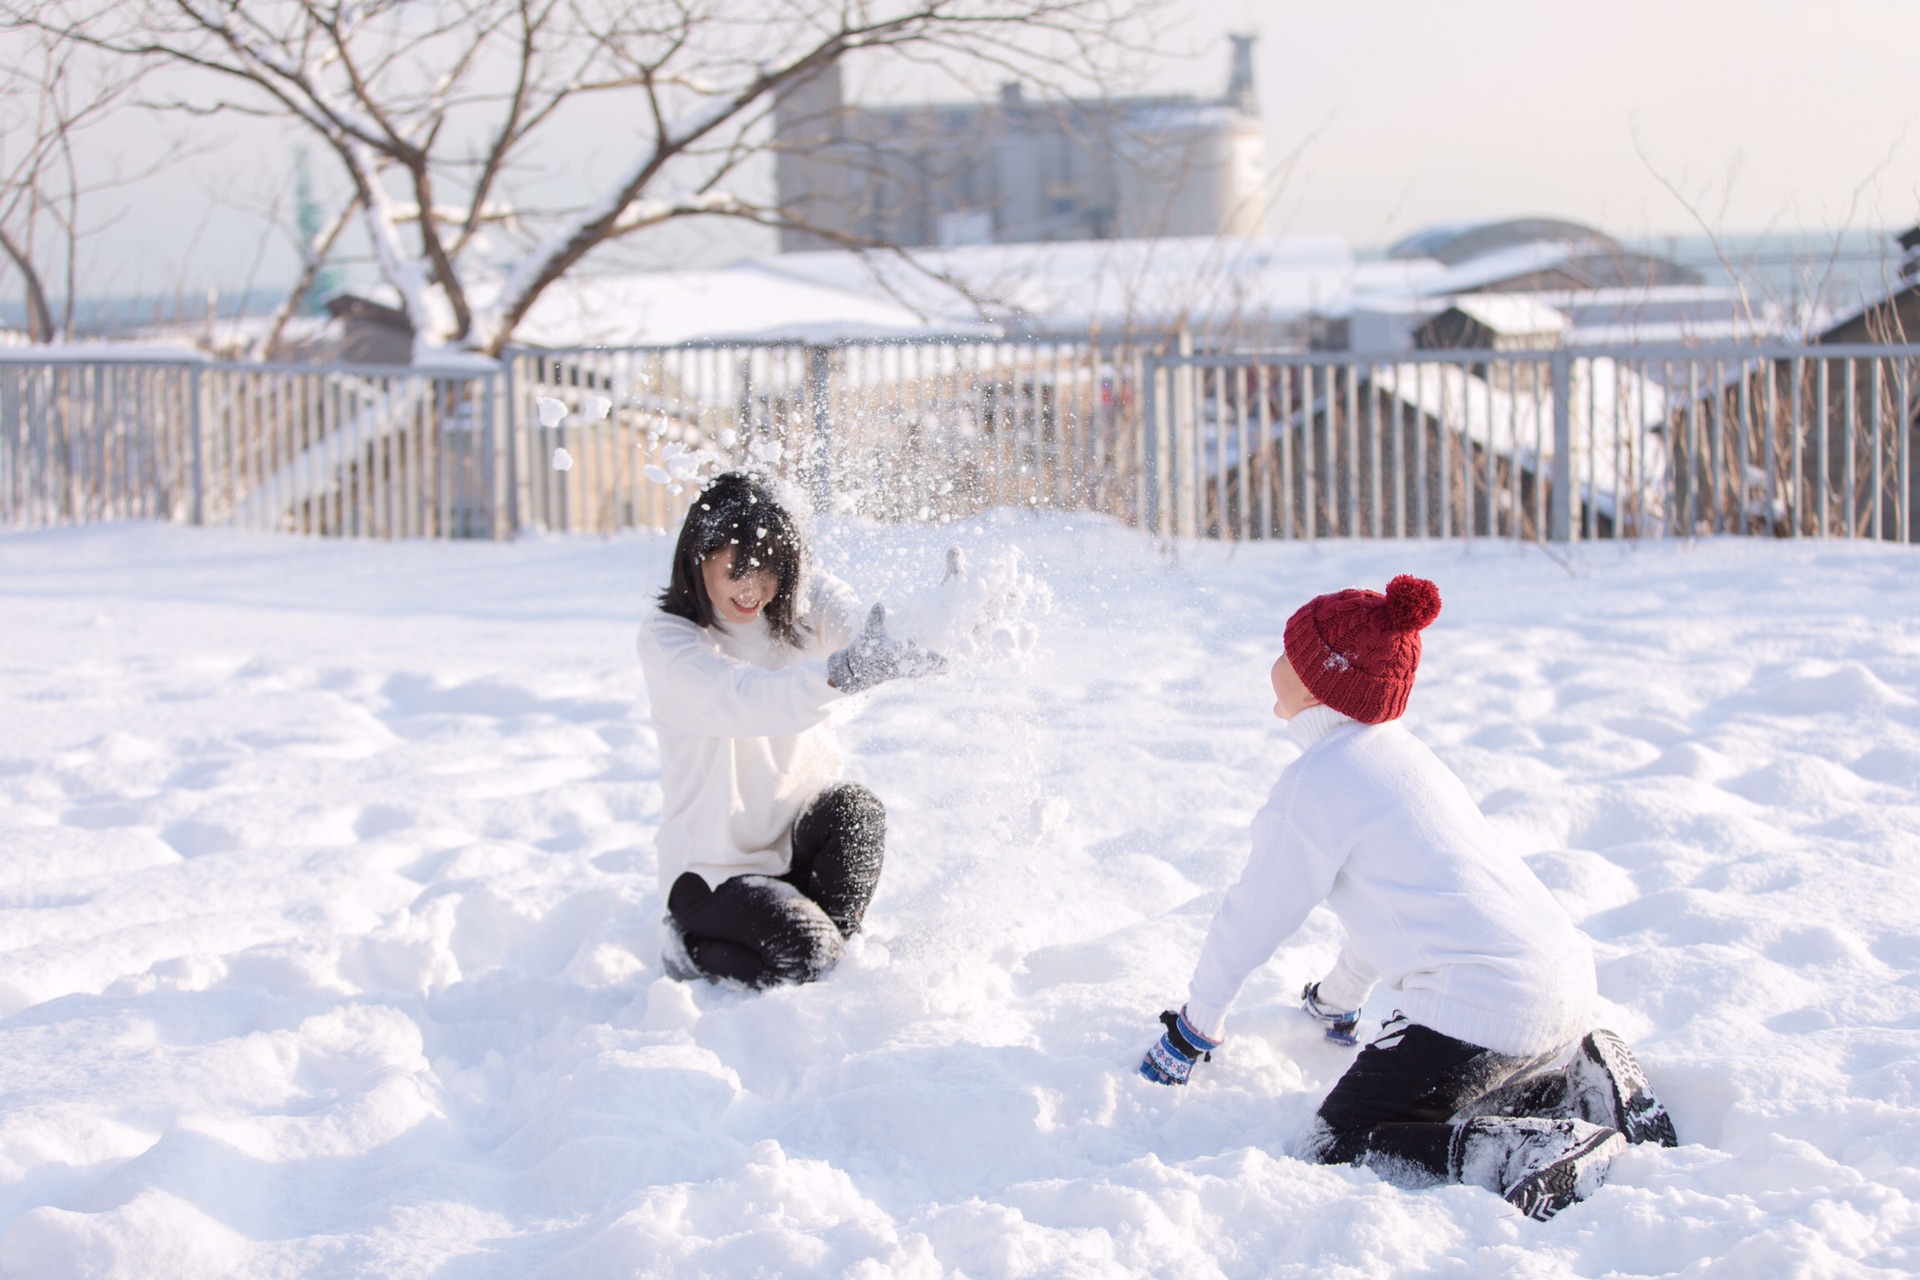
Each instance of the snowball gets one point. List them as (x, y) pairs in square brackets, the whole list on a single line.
[(551, 410), (562, 460)]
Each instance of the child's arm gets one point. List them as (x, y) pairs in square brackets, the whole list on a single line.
[(1349, 982), (1337, 998), (1285, 877)]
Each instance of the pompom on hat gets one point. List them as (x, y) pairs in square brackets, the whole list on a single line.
[(1357, 650)]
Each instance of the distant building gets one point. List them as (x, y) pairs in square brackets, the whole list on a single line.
[(1494, 322), (1532, 284), (1536, 255), (1019, 170), (1895, 316), (370, 332)]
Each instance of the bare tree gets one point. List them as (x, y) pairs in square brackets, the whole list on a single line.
[(53, 99), (440, 112)]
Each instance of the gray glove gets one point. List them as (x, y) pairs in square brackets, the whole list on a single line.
[(874, 656)]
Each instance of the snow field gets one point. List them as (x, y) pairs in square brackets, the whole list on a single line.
[(329, 930)]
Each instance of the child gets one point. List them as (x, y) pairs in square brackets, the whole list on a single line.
[(767, 859), (1485, 1072)]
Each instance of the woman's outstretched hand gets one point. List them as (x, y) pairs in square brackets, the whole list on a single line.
[(874, 656)]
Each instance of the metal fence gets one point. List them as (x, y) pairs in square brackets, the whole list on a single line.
[(371, 452), (1557, 445), (1634, 441)]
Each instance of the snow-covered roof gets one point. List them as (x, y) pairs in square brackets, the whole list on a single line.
[(1505, 264), (1453, 242), (1513, 313), (1889, 305), (1114, 285), (1675, 314), (1657, 303), (743, 301), (1110, 285)]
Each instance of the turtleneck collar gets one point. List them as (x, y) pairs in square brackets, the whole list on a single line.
[(752, 641), (1314, 724)]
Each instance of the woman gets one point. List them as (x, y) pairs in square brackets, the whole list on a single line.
[(767, 858)]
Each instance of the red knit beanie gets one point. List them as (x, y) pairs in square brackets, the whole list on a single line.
[(1357, 650)]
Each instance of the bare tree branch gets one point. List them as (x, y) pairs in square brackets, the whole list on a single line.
[(53, 102), (440, 112), (39, 314), (313, 258)]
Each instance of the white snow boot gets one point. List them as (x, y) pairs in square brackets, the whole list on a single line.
[(1607, 1086), (1539, 1166)]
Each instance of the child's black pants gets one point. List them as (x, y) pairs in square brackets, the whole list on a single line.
[(762, 930), (1391, 1110)]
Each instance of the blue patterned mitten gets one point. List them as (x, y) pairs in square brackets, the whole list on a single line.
[(1171, 1059)]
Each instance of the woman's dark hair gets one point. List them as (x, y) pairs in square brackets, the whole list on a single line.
[(738, 510)]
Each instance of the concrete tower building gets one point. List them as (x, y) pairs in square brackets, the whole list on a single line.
[(1019, 170)]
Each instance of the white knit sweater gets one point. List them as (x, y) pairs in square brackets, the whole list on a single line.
[(1454, 928), (745, 736)]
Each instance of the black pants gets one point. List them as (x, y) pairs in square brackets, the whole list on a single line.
[(1398, 1106), (763, 930)]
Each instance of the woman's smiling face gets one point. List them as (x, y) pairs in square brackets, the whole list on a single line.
[(736, 600)]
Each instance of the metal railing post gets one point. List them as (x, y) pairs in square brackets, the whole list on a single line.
[(1150, 445), (819, 366), (509, 444), (1183, 457), (199, 449), (489, 479), (1560, 510)]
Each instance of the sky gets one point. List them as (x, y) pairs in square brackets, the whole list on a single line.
[(1382, 116), (1643, 118)]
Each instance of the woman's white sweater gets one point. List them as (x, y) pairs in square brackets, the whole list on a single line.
[(1460, 935), (745, 736)]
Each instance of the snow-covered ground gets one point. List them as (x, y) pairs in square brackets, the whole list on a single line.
[(328, 922)]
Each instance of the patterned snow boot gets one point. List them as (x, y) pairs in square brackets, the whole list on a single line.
[(1539, 1166), (1607, 1086)]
